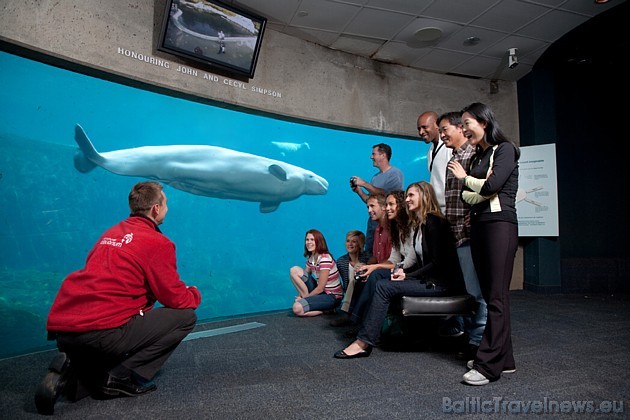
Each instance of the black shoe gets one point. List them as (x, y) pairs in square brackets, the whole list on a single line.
[(51, 387), (342, 321), (130, 387), (363, 353), (450, 332)]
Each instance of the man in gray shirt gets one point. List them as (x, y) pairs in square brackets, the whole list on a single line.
[(387, 179)]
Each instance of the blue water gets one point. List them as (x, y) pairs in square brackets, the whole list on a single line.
[(51, 214)]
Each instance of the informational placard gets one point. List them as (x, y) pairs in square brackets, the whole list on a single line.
[(537, 196)]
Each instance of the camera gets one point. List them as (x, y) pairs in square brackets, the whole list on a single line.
[(358, 275), (397, 267), (353, 182), (512, 59)]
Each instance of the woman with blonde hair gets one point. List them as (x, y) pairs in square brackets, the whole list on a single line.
[(436, 273), (349, 264)]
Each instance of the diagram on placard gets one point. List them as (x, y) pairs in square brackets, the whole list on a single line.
[(523, 195)]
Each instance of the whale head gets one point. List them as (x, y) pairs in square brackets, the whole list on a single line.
[(315, 184)]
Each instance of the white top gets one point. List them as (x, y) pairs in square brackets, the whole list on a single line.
[(437, 169), (406, 251)]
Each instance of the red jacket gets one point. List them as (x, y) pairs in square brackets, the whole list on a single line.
[(131, 266)]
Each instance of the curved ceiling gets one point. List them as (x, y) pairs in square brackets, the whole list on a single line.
[(469, 38)]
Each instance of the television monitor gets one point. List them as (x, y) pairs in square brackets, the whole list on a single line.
[(214, 33)]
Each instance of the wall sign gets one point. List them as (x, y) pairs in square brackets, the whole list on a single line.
[(537, 196), (193, 72)]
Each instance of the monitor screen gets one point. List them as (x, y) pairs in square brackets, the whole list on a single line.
[(214, 33)]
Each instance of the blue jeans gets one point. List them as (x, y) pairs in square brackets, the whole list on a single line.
[(321, 302), (360, 308), (385, 291), (474, 325)]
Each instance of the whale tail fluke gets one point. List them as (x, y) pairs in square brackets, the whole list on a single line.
[(86, 157)]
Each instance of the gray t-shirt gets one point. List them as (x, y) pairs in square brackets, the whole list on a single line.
[(390, 180)]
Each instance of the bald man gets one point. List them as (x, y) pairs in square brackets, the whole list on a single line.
[(437, 156)]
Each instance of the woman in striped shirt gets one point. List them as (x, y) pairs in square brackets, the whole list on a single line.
[(318, 285)]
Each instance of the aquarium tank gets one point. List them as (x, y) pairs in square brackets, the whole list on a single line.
[(234, 246)]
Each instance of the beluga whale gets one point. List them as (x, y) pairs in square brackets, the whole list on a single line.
[(209, 171)]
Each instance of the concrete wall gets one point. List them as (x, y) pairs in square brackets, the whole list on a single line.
[(117, 39), (314, 83)]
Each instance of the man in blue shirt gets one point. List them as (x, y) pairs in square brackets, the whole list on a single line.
[(387, 179)]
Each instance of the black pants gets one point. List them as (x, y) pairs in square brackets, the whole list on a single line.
[(142, 345), (493, 246)]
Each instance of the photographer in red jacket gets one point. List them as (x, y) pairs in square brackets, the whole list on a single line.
[(111, 339)]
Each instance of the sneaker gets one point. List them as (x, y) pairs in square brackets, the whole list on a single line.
[(475, 378), (451, 332), (51, 387), (470, 363)]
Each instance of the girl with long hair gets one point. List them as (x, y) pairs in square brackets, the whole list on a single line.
[(318, 285), (436, 272), (401, 253), (490, 187)]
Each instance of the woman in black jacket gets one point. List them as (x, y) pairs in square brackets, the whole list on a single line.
[(436, 273), (490, 187)]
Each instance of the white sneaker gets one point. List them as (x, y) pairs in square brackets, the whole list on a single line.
[(475, 378), (469, 365)]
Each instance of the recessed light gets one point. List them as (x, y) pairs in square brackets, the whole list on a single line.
[(428, 34)]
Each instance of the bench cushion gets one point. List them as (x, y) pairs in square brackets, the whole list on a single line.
[(464, 305)]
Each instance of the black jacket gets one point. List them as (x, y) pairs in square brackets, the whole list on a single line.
[(439, 262)]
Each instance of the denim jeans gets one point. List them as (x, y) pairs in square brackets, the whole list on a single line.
[(384, 292), (321, 302), (360, 307), (474, 325)]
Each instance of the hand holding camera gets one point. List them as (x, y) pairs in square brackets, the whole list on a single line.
[(359, 272), (397, 272), (353, 182)]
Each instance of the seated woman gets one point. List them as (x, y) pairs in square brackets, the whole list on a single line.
[(318, 285), (437, 273), (402, 253), (348, 265)]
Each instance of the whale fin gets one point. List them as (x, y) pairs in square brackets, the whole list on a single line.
[(269, 207), (86, 157), (278, 172)]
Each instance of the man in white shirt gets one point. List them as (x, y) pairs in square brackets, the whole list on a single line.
[(438, 155)]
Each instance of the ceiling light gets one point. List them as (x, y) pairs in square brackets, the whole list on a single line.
[(428, 34), (471, 41), (601, 1)]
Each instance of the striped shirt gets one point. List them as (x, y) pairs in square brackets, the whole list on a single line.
[(326, 262), (456, 208)]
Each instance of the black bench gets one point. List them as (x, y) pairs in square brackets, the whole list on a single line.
[(444, 306)]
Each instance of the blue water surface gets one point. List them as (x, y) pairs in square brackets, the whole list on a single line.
[(237, 256)]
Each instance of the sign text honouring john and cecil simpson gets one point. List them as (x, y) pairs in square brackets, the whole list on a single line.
[(192, 72)]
